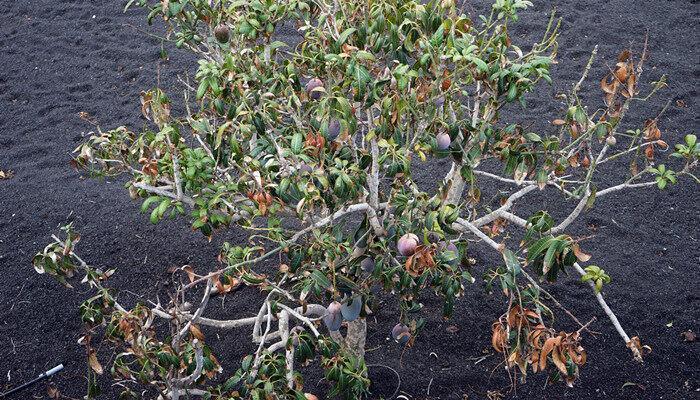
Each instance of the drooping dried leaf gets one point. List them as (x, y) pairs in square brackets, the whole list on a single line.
[(634, 169), (498, 337), (574, 129), (616, 110), (94, 363), (624, 56), (651, 130), (586, 162), (631, 85), (559, 360), (583, 257), (573, 160), (549, 345), (649, 152), (146, 99), (196, 332), (514, 317), (190, 272), (621, 72), (609, 88)]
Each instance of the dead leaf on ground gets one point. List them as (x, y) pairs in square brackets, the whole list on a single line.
[(6, 174), (638, 385), (689, 336), (495, 395), (52, 392)]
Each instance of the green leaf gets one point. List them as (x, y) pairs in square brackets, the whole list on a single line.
[(512, 261), (147, 203), (297, 142), (154, 216), (320, 279), (362, 76), (365, 55), (345, 35), (550, 256), (203, 86), (533, 137), (481, 66), (591, 198), (537, 248)]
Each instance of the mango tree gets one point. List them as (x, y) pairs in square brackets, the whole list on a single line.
[(310, 146)]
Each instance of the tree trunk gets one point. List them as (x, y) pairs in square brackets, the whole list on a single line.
[(356, 337), (354, 340), (456, 185)]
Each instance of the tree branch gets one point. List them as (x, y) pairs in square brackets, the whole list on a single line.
[(499, 213), (461, 224)]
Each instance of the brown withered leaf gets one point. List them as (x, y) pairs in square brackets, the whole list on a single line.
[(583, 257), (497, 227), (559, 360), (94, 363), (420, 261), (634, 169), (190, 272), (547, 348), (150, 168), (573, 160), (574, 129), (631, 85), (498, 337), (621, 72), (586, 162), (348, 49), (146, 99), (558, 122), (528, 313), (514, 317), (231, 283), (446, 84), (624, 56), (635, 344), (616, 110), (651, 130), (196, 332), (608, 88), (53, 392), (649, 152)]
